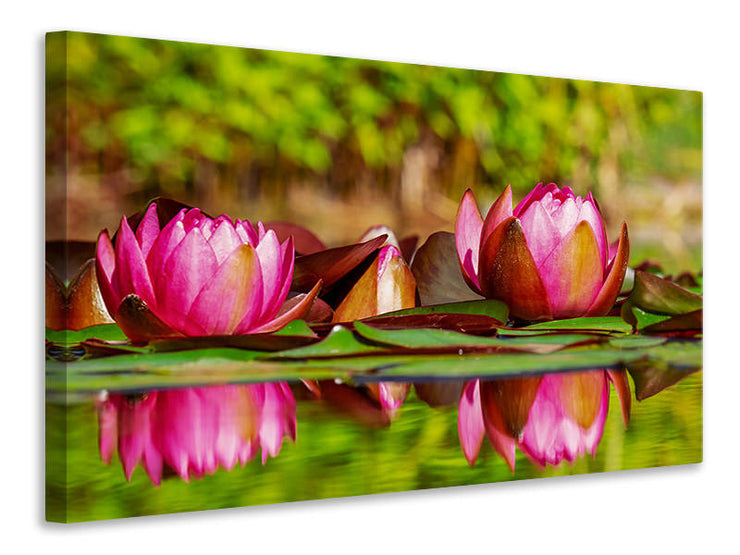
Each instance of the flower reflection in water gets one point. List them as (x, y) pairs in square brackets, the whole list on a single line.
[(195, 430), (550, 418)]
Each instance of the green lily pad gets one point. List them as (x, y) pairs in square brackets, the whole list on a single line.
[(486, 307), (608, 324), (636, 341), (424, 338), (104, 332), (340, 342)]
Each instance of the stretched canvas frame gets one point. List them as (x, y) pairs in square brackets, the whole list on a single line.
[(434, 314)]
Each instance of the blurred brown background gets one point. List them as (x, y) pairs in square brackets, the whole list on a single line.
[(340, 144)]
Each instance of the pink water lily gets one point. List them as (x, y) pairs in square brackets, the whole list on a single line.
[(197, 275), (550, 418), (194, 431), (547, 258)]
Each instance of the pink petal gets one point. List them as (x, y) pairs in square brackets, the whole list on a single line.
[(107, 429), (224, 241), (534, 195), (228, 295), (252, 315), (190, 266), (590, 213), (192, 219), (573, 274), (177, 431), (540, 441), (470, 425), (592, 436), (148, 229), (132, 274), (271, 263), (135, 431), (206, 226), (540, 232), (384, 257), (389, 401), (105, 265), (165, 243), (277, 420), (497, 214), (565, 217), (288, 253), (551, 434), (246, 232), (468, 228)]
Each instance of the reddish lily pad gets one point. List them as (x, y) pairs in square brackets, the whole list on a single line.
[(305, 241), (66, 257), (660, 296), (491, 308), (653, 377), (253, 342), (439, 393), (332, 264), (685, 325), (407, 246), (466, 323), (437, 272), (355, 403)]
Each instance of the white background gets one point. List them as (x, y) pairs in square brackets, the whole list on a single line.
[(673, 44)]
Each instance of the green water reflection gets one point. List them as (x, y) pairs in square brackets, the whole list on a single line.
[(336, 455)]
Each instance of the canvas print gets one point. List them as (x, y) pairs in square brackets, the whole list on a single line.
[(274, 277)]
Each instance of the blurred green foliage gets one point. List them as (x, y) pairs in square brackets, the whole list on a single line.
[(162, 108)]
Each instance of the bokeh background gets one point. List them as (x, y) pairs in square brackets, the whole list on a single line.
[(340, 144)]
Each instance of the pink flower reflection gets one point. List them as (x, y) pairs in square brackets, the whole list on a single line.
[(193, 431), (550, 418)]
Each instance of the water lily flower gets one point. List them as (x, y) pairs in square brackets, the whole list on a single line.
[(194, 431), (547, 258), (550, 418), (195, 276)]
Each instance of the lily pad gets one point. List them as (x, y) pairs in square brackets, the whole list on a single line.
[(104, 332), (654, 295), (340, 342), (484, 307), (651, 378), (437, 271), (609, 324), (332, 264)]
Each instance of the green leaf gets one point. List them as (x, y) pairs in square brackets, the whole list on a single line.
[(297, 328), (636, 341), (491, 308), (644, 319), (423, 337), (597, 324), (104, 332), (339, 342)]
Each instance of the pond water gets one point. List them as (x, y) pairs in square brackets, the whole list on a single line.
[(118, 454)]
